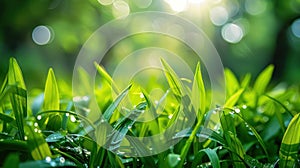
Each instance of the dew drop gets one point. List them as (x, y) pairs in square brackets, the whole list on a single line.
[(36, 130), (67, 114), (72, 118), (237, 110), (39, 117), (244, 106), (48, 159), (62, 160), (142, 95), (170, 116), (25, 138), (36, 124)]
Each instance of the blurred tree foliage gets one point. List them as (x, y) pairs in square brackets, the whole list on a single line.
[(267, 34)]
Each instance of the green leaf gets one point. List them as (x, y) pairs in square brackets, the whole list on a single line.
[(6, 118), (18, 96), (123, 125), (112, 107), (263, 80), (107, 77), (172, 78), (51, 95), (198, 93), (12, 161), (233, 99), (231, 82), (212, 155), (290, 145), (37, 144)]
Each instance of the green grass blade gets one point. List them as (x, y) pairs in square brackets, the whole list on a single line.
[(12, 161), (231, 82), (263, 80), (198, 93), (6, 118), (112, 107), (257, 136), (290, 145), (173, 80), (18, 97), (212, 155), (233, 99), (107, 77), (51, 95), (37, 144), (123, 125)]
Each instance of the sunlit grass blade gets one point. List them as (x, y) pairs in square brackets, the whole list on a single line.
[(112, 107), (51, 94), (37, 144), (212, 155), (282, 105), (18, 97), (198, 93), (173, 80), (232, 84), (107, 77), (233, 99), (290, 145), (123, 125), (263, 80)]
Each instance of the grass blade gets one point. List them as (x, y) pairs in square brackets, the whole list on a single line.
[(37, 144), (231, 82), (233, 99), (51, 95), (172, 78), (290, 145), (198, 93), (212, 155), (263, 80), (107, 77), (18, 97)]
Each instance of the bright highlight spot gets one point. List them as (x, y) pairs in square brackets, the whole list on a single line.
[(120, 9), (41, 35), (105, 2), (255, 7), (218, 15), (143, 3), (232, 33), (178, 5), (296, 28)]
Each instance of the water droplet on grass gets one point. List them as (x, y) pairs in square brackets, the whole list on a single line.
[(39, 117)]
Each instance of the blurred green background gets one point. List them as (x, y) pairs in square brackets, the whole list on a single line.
[(248, 34)]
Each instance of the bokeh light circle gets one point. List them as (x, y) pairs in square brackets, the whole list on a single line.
[(42, 35)]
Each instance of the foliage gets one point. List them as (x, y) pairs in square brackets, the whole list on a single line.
[(258, 126)]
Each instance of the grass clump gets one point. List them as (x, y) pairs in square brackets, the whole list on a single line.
[(257, 126)]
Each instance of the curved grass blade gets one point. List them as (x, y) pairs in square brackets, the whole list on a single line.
[(212, 155), (231, 82), (172, 78), (257, 136), (112, 107), (51, 95), (233, 99), (290, 145), (107, 77), (12, 161), (263, 80), (37, 144), (122, 127), (18, 96), (282, 105), (198, 93)]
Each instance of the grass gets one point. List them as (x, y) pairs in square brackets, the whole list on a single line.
[(257, 126)]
